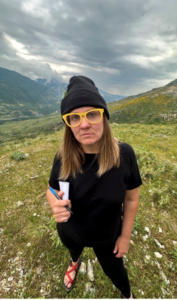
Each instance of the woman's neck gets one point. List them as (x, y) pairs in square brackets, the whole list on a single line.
[(90, 149)]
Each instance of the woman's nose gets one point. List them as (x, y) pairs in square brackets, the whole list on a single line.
[(84, 123)]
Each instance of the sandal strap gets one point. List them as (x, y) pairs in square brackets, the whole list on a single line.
[(69, 277), (74, 268)]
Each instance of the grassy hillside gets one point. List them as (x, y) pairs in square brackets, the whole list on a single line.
[(147, 109), (156, 106), (17, 130), (33, 263)]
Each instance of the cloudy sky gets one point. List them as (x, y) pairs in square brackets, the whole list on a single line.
[(125, 46)]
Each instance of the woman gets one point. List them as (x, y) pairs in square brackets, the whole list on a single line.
[(103, 175)]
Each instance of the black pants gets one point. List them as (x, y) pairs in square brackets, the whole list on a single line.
[(112, 266)]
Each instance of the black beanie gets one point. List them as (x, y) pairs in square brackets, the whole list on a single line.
[(82, 91)]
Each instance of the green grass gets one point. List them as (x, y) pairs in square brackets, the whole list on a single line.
[(26, 129), (30, 251)]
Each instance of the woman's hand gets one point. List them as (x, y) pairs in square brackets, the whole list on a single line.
[(121, 246), (61, 214), (130, 209)]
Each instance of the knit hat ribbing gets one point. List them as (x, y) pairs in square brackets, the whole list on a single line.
[(82, 91)]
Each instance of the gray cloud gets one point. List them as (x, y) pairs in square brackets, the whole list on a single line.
[(126, 47)]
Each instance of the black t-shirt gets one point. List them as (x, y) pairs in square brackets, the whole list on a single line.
[(97, 201)]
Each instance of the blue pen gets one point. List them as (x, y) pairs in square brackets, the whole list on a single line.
[(56, 195)]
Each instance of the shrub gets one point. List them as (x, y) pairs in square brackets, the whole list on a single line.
[(17, 155), (160, 193)]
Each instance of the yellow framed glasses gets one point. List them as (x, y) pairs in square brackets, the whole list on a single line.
[(92, 116)]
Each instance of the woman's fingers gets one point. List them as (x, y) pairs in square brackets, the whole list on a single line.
[(60, 206), (62, 216), (61, 220), (60, 211)]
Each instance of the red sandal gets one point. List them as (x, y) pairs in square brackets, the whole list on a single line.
[(72, 281)]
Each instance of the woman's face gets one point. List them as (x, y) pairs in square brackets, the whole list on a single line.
[(88, 135)]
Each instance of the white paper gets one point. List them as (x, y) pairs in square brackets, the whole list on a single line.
[(64, 186)]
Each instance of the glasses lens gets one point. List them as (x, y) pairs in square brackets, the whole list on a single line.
[(73, 119), (94, 116)]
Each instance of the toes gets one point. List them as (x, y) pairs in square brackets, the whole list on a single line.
[(66, 281)]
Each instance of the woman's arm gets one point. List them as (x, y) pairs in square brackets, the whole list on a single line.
[(130, 209)]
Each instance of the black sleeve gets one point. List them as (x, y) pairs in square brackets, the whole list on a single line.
[(53, 180), (131, 170)]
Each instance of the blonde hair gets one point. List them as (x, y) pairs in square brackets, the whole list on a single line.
[(72, 155)]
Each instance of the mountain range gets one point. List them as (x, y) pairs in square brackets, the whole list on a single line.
[(60, 87), (22, 98)]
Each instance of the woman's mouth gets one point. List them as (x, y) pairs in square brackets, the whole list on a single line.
[(86, 134)]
